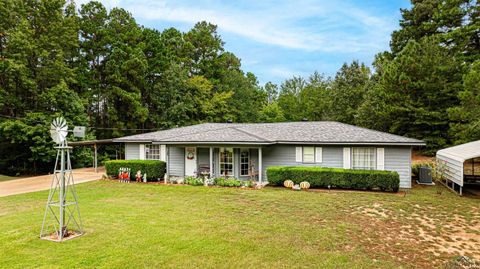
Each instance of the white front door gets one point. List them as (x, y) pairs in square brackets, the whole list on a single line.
[(190, 161)]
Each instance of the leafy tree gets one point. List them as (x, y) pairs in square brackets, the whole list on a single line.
[(347, 91), (289, 98), (465, 125), (271, 90), (271, 113), (206, 47), (93, 50), (125, 68), (455, 24), (413, 94)]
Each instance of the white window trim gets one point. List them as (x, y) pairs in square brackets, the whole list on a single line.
[(347, 158), (298, 154), (142, 151), (380, 158), (318, 154)]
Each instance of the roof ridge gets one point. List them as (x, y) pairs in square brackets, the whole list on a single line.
[(250, 134), (195, 132)]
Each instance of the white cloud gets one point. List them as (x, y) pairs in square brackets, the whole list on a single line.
[(305, 25)]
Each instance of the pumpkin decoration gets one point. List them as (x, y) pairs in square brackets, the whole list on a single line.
[(304, 185), (288, 183)]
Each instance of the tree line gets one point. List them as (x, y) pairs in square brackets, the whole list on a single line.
[(426, 87), (100, 68)]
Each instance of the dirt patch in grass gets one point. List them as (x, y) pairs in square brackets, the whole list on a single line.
[(424, 235)]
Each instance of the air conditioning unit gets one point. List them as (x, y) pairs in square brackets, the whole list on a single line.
[(425, 175)]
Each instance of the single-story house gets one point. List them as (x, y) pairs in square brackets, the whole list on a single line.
[(246, 150), (460, 164)]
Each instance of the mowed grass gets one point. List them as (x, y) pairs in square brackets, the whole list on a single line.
[(156, 226), (5, 178)]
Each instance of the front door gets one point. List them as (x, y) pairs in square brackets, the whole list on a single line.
[(190, 161)]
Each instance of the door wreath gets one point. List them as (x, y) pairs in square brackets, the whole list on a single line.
[(190, 154)]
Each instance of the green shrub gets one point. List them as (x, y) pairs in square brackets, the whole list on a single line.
[(417, 165), (232, 182), (320, 177), (194, 181), (154, 169)]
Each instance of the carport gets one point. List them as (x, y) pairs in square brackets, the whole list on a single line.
[(460, 165), (94, 144)]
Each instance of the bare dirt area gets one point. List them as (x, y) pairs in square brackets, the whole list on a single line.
[(430, 235), (417, 157)]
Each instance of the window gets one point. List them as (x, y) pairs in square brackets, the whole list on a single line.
[(226, 161), (363, 158), (152, 152), (244, 162), (308, 154)]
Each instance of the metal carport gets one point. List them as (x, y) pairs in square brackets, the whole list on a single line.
[(458, 164), (93, 143)]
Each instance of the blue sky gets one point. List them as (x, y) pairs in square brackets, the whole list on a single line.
[(279, 39)]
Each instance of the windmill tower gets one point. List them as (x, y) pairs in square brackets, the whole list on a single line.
[(62, 219)]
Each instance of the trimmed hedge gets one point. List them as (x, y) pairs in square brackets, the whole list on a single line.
[(320, 177), (154, 169)]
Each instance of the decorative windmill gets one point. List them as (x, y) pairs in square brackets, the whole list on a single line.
[(62, 219)]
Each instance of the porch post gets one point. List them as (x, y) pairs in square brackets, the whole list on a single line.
[(260, 166), (211, 162), (167, 160)]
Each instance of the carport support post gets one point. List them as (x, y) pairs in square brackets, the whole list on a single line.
[(95, 158)]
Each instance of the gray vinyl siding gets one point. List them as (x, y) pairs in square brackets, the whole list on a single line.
[(284, 155), (332, 157), (399, 159), (176, 161), (396, 159), (453, 170), (132, 151)]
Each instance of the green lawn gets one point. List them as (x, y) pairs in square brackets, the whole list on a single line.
[(154, 226), (5, 178)]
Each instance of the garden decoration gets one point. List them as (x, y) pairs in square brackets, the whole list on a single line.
[(145, 178), (288, 184), (304, 185), (296, 187), (209, 182), (138, 176), (124, 174), (62, 219)]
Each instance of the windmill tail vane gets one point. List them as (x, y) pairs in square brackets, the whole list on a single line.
[(62, 218)]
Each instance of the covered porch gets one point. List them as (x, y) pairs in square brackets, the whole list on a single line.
[(228, 161)]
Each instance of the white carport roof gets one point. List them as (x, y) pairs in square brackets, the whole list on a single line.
[(462, 152)]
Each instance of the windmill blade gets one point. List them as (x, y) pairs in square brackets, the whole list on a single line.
[(59, 130)]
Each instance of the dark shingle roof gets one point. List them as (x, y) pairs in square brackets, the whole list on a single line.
[(315, 132)]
